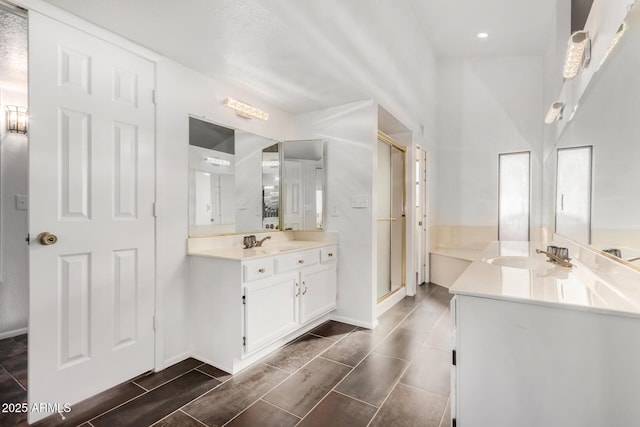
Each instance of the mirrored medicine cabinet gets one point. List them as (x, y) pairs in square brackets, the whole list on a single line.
[(241, 183)]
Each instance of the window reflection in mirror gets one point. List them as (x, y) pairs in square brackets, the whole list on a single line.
[(303, 185)]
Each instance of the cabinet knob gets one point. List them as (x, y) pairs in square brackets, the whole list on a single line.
[(300, 261), (330, 254), (261, 270)]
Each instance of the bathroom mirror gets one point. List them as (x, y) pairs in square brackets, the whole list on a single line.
[(303, 185), (227, 176), (607, 120)]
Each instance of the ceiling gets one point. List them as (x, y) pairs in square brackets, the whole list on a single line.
[(13, 51), (308, 54)]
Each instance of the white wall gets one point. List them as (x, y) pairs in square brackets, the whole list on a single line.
[(487, 106), (350, 134), (181, 92), (14, 285)]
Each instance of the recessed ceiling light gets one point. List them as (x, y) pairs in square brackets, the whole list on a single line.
[(482, 35)]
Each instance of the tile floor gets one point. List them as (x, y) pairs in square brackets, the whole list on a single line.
[(336, 375)]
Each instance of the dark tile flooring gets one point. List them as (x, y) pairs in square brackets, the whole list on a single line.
[(336, 375)]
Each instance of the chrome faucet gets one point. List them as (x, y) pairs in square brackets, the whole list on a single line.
[(555, 258), (260, 242), (249, 241)]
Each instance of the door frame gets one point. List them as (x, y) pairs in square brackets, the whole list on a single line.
[(422, 243), (80, 24)]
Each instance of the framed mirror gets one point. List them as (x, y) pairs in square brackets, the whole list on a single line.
[(606, 121)]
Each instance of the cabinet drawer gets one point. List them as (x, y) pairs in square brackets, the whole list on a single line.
[(296, 260), (257, 269), (328, 254)]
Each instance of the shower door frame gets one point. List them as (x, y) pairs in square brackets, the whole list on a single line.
[(383, 137)]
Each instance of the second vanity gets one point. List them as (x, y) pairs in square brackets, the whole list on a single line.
[(248, 302), (536, 344)]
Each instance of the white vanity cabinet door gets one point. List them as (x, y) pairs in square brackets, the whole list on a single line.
[(270, 310), (318, 291)]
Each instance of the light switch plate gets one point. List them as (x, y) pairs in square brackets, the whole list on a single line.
[(22, 202), (360, 201)]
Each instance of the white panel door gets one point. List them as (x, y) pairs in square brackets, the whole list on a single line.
[(293, 195), (91, 183), (422, 250), (203, 197), (573, 194)]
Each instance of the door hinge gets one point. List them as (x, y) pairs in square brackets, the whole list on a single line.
[(154, 96), (244, 341), (155, 209), (244, 300), (28, 239), (155, 322), (453, 357)]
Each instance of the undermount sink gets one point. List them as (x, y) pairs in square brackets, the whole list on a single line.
[(523, 262)]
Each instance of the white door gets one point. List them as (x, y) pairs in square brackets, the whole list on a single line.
[(422, 251), (91, 183), (573, 194), (293, 195), (203, 198)]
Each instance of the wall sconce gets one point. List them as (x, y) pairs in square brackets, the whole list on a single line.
[(17, 119), (578, 54), (245, 110), (555, 112)]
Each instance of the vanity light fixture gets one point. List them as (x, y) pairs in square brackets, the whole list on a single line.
[(578, 54), (245, 110), (216, 161), (555, 112), (17, 119), (614, 41)]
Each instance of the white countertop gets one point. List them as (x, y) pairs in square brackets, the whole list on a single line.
[(268, 249), (576, 288)]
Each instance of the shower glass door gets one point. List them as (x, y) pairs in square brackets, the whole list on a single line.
[(390, 210)]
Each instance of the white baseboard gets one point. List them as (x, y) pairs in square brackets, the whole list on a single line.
[(174, 359), (354, 322), (390, 301), (13, 333)]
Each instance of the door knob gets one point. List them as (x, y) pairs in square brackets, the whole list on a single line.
[(47, 238)]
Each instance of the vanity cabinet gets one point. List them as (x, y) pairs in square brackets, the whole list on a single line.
[(243, 309), (530, 365)]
